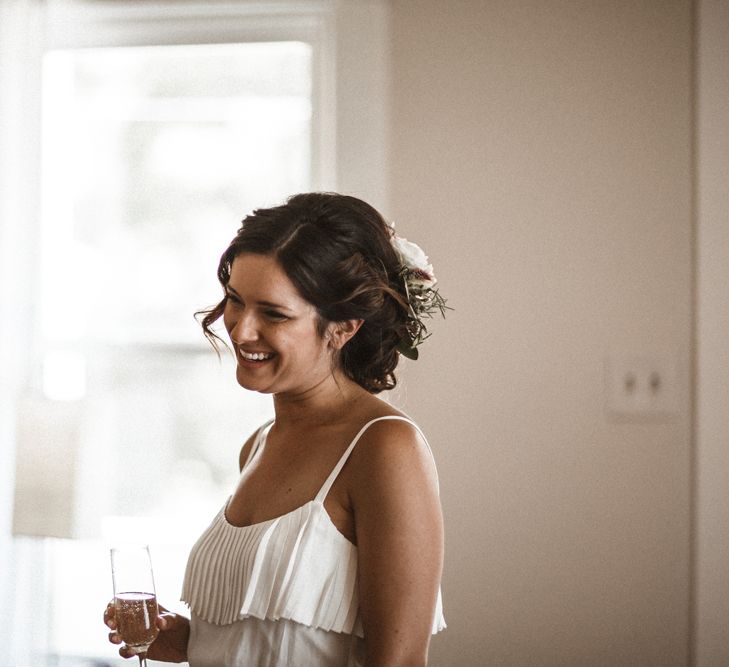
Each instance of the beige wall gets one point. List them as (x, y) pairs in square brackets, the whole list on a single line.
[(712, 531), (541, 152)]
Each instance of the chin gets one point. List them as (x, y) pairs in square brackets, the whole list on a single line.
[(251, 384)]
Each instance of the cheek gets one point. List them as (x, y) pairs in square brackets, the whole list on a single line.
[(303, 343), (231, 319)]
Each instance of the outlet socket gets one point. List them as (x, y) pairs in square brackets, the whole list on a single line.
[(641, 386)]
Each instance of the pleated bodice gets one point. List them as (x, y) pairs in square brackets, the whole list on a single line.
[(296, 567)]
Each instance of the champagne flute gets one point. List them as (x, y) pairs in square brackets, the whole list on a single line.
[(135, 600)]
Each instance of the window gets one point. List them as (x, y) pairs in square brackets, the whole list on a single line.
[(150, 157), (134, 137)]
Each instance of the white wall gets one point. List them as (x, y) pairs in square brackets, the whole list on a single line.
[(712, 532), (542, 155)]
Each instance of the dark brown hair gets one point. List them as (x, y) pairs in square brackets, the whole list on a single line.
[(337, 252)]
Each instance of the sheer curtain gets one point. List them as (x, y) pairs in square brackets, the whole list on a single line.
[(20, 37)]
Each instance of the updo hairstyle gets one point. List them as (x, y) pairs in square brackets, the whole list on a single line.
[(337, 252)]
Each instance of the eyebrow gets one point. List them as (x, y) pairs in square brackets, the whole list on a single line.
[(268, 304)]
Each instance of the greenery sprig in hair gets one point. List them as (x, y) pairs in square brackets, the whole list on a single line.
[(424, 299)]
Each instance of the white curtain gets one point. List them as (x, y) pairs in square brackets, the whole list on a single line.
[(20, 36), (21, 562)]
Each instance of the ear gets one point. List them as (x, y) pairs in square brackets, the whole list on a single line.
[(339, 333)]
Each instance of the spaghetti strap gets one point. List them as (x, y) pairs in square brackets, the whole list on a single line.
[(260, 436), (324, 491)]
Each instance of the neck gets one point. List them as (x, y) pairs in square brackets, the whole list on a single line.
[(326, 401)]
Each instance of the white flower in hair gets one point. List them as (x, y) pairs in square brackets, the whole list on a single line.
[(420, 287), (415, 260)]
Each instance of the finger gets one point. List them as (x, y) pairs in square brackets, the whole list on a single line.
[(109, 616), (126, 652), (166, 620), (114, 638)]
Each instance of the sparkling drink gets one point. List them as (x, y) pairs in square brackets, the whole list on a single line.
[(135, 617), (135, 600)]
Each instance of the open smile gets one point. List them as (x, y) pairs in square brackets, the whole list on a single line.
[(256, 356)]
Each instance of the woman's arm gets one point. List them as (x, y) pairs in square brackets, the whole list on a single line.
[(399, 530)]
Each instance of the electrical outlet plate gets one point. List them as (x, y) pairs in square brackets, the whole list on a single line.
[(641, 386)]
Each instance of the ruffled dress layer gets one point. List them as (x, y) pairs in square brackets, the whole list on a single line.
[(278, 592)]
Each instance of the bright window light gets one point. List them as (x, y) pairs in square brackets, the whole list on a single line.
[(151, 155), (64, 375)]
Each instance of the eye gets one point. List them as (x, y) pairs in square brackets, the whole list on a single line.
[(275, 316)]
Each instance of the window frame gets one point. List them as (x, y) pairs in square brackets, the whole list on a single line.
[(78, 24)]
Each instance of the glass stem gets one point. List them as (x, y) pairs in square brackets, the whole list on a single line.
[(142, 659)]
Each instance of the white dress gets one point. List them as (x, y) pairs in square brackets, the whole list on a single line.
[(278, 592)]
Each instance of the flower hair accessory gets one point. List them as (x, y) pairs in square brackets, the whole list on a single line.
[(423, 298)]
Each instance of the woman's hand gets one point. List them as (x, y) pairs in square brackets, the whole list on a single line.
[(171, 642)]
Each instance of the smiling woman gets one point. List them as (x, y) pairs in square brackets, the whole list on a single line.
[(271, 327), (329, 550), (343, 270)]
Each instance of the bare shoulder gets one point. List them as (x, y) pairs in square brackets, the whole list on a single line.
[(392, 450)]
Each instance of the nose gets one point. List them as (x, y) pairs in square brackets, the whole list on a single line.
[(244, 329)]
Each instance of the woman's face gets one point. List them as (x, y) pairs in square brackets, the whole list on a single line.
[(273, 329)]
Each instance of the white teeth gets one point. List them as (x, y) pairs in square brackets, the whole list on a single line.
[(255, 356)]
